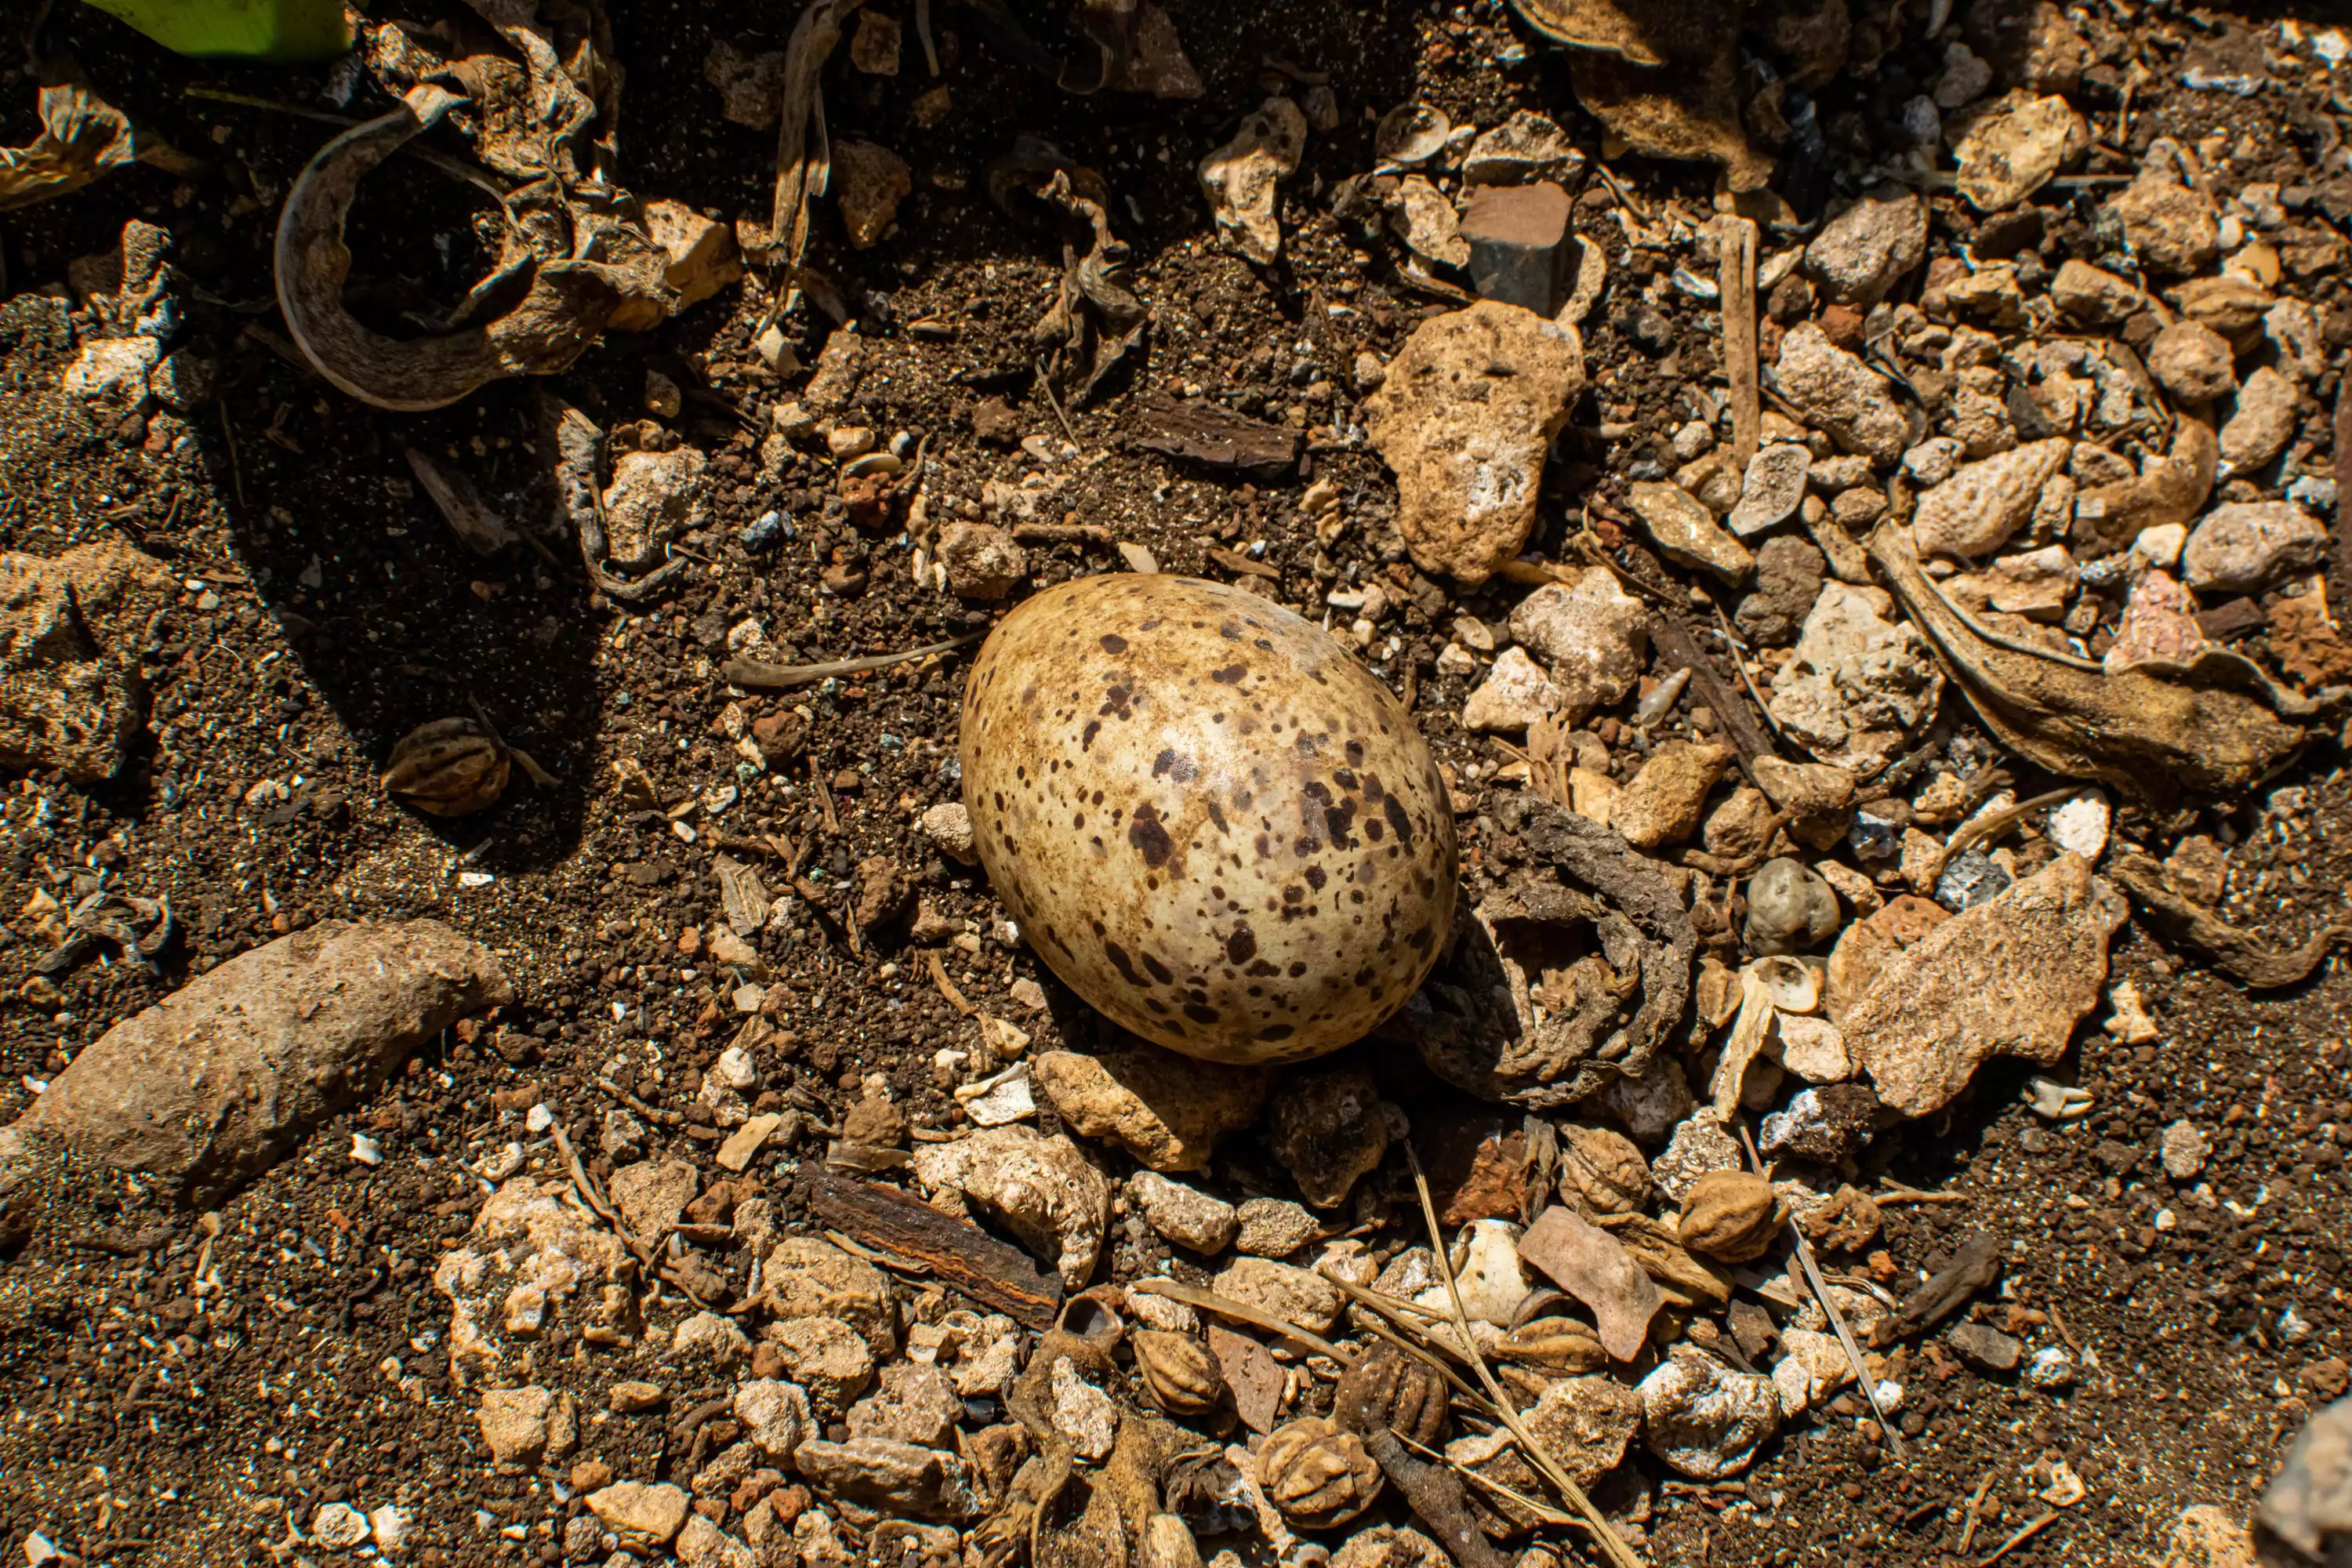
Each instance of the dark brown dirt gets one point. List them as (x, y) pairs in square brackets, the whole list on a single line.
[(328, 611)]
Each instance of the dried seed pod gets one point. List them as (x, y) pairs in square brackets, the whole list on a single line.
[(1602, 1171), (447, 768), (1731, 1215), (1556, 1345), (1168, 1544), (1315, 1474), (1387, 1388), (1683, 1277), (1183, 1377)]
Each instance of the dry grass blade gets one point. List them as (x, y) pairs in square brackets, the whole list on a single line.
[(2023, 1533), (1423, 1347), (1242, 1312), (1735, 287), (1612, 1546), (755, 675), (1821, 1290), (1543, 1511)]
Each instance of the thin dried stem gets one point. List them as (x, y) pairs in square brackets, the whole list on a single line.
[(1611, 1544)]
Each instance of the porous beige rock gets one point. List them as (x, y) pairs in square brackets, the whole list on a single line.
[(645, 1516), (1240, 178), (1981, 507), (2170, 226), (983, 561), (1185, 1216), (912, 1403), (215, 1083), (2092, 294), (807, 1277), (2206, 1536), (2011, 976), (2008, 149), (1516, 693), (1464, 417), (2192, 362), (525, 1426), (2247, 546), (1043, 1190), (1687, 534), (1861, 252), (825, 1356), (868, 182), (651, 1195), (1860, 681), (1165, 1110), (901, 1478), (1705, 1419), (1665, 800), (651, 499), (1592, 635), (1295, 1295), (1834, 390), (2262, 419)]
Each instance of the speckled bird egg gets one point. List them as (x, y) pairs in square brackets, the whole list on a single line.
[(1210, 821)]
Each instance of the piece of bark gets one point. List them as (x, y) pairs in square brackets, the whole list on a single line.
[(1596, 1268), (1973, 1267), (1251, 1374), (2260, 967), (1217, 437), (2339, 569), (1735, 239), (1727, 702), (963, 1256)]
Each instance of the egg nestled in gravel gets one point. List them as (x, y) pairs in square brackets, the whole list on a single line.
[(1210, 820)]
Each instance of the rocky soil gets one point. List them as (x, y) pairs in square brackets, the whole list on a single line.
[(509, 1054)]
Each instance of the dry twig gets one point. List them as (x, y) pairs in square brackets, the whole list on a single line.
[(1612, 1546)]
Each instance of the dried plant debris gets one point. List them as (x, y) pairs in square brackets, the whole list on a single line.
[(2130, 727), (1564, 982), (2183, 919), (1095, 320), (1666, 76), (82, 136), (575, 255)]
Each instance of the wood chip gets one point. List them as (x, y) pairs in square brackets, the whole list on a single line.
[(1216, 437), (1735, 240), (963, 1255)]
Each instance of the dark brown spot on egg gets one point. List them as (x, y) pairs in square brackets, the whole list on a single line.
[(1229, 675), (1198, 1014), (1393, 809), (1150, 839), (1125, 965), (1113, 643), (1242, 946), (1159, 970)]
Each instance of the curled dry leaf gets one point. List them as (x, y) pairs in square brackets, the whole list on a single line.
[(2130, 727), (82, 137), (567, 304), (1595, 1268)]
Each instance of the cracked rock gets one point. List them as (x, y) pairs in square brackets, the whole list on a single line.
[(1464, 417), (1864, 250), (1860, 683), (1165, 1110), (1185, 1216), (1834, 390), (1242, 176), (1705, 1419), (2011, 976), (2246, 546), (1593, 636), (1981, 507), (1042, 1189), (1329, 1129)]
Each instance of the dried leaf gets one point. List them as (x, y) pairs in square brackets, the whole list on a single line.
[(1250, 1374), (484, 531), (281, 30), (80, 138), (2130, 727), (1595, 1268)]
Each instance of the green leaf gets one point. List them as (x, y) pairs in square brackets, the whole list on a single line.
[(284, 30)]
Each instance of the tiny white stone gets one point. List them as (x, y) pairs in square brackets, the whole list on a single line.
[(540, 1119), (2080, 826), (475, 879), (365, 1149)]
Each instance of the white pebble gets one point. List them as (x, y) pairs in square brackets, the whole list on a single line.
[(541, 1118), (365, 1149), (2080, 826)]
